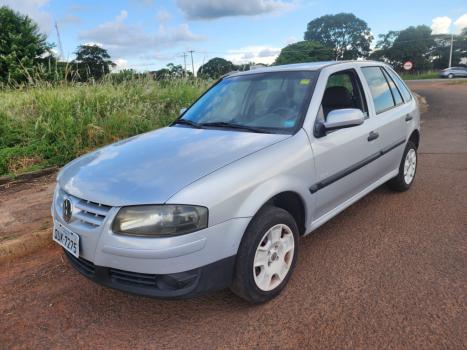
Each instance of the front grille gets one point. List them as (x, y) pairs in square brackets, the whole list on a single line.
[(121, 279), (133, 278), (91, 213), (87, 213)]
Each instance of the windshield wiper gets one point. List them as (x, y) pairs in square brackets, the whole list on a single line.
[(186, 122), (237, 126)]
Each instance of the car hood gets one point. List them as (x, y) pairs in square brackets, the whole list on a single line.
[(151, 167)]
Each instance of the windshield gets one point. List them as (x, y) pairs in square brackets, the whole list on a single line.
[(273, 102)]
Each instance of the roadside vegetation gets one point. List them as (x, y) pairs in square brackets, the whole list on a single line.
[(48, 125), (431, 74)]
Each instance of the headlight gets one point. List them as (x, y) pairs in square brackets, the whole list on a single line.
[(160, 220)]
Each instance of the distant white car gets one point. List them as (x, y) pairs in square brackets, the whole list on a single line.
[(221, 197)]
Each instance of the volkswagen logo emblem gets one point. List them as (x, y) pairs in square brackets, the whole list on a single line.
[(67, 210)]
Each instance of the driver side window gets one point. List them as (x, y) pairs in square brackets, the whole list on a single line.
[(343, 90)]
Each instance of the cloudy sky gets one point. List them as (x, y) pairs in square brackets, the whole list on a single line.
[(148, 34)]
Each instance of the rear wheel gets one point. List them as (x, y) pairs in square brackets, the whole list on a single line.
[(407, 169), (267, 255)]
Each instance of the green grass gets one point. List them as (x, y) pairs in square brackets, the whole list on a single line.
[(46, 126), (422, 75)]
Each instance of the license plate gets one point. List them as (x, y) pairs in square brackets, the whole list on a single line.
[(67, 239)]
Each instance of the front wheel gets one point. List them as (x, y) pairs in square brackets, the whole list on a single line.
[(267, 255), (407, 169), (450, 76)]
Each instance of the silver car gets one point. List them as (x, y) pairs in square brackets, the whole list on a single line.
[(221, 197), (453, 72)]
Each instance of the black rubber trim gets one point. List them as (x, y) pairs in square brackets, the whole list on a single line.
[(343, 173), (212, 277)]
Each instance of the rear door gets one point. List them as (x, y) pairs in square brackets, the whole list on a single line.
[(390, 115)]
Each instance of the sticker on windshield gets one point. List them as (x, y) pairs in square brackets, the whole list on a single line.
[(304, 81), (289, 123)]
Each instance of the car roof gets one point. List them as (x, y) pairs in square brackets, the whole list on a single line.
[(311, 66)]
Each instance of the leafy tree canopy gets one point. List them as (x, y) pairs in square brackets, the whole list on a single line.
[(215, 68), (93, 62), (411, 44), (22, 46), (347, 35), (304, 51)]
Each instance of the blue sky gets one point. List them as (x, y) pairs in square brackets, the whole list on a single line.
[(148, 34)]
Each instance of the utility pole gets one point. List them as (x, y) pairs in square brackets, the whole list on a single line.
[(184, 61), (450, 51), (192, 65), (59, 40)]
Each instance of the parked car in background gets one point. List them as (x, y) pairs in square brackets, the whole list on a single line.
[(221, 197), (454, 72)]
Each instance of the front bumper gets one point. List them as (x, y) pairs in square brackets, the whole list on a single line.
[(209, 278), (165, 267)]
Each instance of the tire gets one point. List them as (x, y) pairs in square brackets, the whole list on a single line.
[(258, 246), (403, 180), (450, 76)]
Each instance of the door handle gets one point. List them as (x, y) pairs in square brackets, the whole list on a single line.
[(408, 117), (373, 136)]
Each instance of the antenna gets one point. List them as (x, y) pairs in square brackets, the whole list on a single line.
[(59, 40)]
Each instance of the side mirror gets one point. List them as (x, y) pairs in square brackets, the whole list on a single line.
[(183, 110), (343, 118)]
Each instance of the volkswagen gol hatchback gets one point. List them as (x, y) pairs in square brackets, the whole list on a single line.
[(221, 197)]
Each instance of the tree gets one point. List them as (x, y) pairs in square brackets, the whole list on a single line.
[(413, 44), (22, 46), (304, 51), (215, 68), (442, 46), (92, 62), (171, 71), (347, 35)]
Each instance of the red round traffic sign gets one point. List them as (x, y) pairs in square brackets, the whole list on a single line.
[(407, 65)]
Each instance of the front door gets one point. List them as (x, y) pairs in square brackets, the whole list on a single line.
[(344, 159)]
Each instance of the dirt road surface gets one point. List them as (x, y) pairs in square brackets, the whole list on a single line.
[(389, 272)]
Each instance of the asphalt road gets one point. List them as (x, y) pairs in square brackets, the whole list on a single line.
[(389, 272)]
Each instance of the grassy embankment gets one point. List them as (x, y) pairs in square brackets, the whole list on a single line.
[(44, 126), (422, 75)]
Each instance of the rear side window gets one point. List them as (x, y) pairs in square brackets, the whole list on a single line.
[(395, 91), (380, 91), (402, 87)]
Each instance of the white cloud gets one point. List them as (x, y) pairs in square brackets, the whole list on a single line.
[(257, 54), (210, 9), (461, 22), (32, 8), (440, 25), (120, 64), (122, 39), (163, 16), (123, 14)]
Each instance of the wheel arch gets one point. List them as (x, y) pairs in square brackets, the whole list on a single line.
[(415, 137), (293, 203)]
